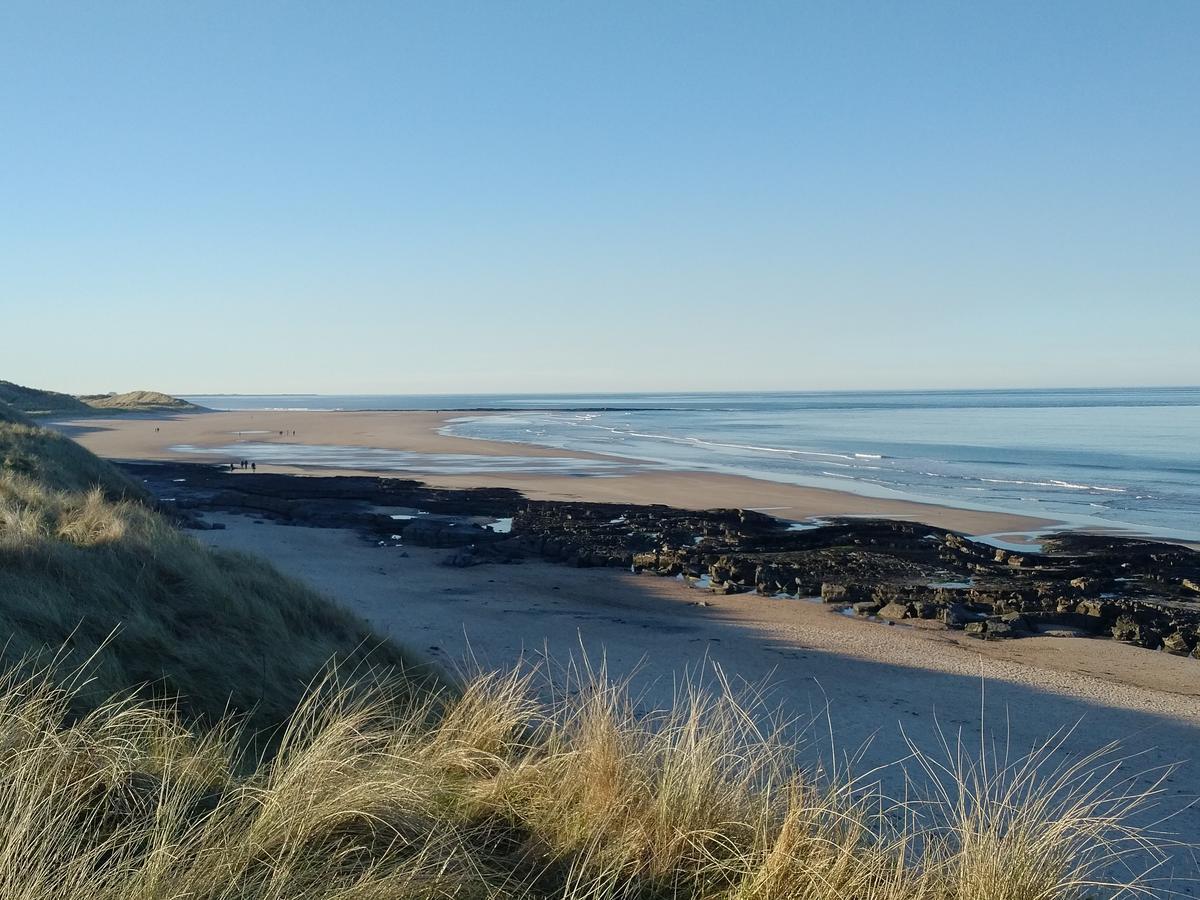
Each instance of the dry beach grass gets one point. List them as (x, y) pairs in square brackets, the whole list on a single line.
[(491, 793)]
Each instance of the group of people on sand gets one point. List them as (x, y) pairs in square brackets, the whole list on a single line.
[(243, 464)]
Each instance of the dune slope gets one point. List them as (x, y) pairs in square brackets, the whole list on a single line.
[(85, 563)]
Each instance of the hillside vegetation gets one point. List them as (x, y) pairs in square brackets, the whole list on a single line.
[(34, 401), (85, 563), (12, 416), (48, 461)]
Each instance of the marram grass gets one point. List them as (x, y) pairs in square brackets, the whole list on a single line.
[(493, 793), (86, 563)]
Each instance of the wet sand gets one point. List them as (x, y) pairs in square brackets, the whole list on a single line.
[(135, 438)]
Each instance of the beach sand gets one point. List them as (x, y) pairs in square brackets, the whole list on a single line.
[(881, 685), (135, 438)]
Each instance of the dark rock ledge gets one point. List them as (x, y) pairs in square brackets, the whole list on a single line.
[(1136, 591)]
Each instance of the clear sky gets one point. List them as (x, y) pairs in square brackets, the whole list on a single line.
[(516, 196)]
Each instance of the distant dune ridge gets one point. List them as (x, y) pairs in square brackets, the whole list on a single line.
[(38, 402), (137, 400)]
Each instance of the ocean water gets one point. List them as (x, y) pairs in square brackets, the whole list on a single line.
[(1125, 458)]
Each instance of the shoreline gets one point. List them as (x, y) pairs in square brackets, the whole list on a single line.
[(417, 432)]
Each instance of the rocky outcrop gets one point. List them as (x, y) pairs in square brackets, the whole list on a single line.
[(1139, 592), (1135, 591)]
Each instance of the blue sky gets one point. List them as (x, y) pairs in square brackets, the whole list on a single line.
[(361, 197)]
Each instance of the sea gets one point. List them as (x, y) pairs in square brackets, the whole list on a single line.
[(1127, 459)]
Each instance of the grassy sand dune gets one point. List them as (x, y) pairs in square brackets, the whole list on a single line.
[(47, 460), (503, 796), (13, 416), (85, 563), (138, 401), (38, 402), (35, 401)]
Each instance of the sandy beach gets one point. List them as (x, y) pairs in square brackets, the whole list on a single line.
[(152, 437), (387, 584), (879, 683)]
